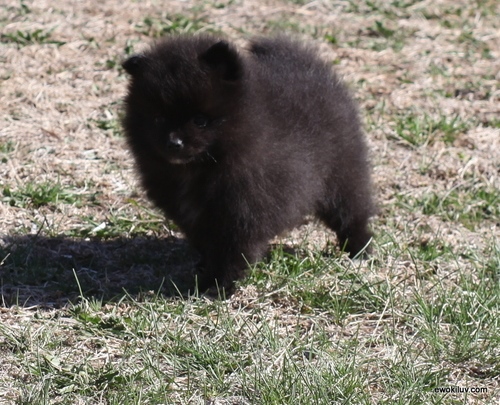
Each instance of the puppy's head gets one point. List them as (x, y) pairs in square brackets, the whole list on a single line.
[(181, 93)]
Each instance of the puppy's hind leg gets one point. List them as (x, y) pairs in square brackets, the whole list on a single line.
[(348, 218)]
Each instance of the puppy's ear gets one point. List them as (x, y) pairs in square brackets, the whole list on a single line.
[(135, 64), (223, 58)]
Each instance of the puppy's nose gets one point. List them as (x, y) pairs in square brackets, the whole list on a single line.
[(174, 142)]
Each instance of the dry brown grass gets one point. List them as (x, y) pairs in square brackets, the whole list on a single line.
[(59, 125)]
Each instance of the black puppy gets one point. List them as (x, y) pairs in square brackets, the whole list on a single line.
[(237, 146)]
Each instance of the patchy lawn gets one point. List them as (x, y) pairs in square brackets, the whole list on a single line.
[(91, 275)]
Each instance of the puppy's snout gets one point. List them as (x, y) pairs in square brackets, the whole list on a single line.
[(174, 142)]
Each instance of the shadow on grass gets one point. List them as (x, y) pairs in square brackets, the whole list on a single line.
[(38, 270)]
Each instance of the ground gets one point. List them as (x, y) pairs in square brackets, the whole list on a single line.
[(89, 313)]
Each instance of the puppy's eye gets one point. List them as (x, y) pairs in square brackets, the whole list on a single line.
[(200, 121), (159, 120)]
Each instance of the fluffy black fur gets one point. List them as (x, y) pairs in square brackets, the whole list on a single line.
[(237, 146)]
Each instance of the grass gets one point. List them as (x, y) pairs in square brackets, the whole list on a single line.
[(173, 349), (5, 149), (97, 298), (470, 205), (117, 225), (171, 24), (24, 38), (109, 121), (420, 129), (37, 195)]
